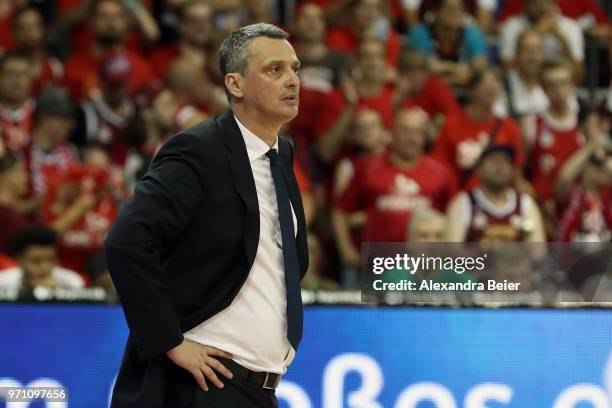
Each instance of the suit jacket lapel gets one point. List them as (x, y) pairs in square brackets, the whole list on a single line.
[(243, 180)]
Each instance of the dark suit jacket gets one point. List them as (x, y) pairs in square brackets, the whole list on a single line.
[(182, 247)]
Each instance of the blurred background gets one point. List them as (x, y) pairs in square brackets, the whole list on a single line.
[(420, 121)]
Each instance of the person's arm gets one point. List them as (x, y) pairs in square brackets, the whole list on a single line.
[(349, 254), (331, 141), (571, 169), (163, 205), (532, 213), (571, 40), (458, 214), (74, 212), (146, 23), (347, 202)]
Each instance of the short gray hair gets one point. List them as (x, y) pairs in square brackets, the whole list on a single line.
[(233, 52)]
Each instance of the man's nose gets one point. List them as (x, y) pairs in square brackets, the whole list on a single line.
[(293, 81)]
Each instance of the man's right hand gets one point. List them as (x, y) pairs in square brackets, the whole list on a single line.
[(199, 361)]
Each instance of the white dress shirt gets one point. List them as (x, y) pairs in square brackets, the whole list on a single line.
[(253, 328)]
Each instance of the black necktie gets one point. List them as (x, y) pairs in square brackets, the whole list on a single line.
[(290, 257)]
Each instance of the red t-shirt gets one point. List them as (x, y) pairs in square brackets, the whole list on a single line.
[(81, 76), (586, 217), (344, 39), (52, 71), (44, 167), (554, 143), (569, 8), (390, 195), (83, 35), (318, 112), (86, 236), (462, 139), (435, 98)]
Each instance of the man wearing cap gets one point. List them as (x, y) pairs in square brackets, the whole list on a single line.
[(105, 118), (495, 211), (208, 255)]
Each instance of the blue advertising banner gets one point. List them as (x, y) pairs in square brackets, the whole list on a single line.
[(350, 357)]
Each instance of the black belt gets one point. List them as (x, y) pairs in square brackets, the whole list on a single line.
[(268, 381)]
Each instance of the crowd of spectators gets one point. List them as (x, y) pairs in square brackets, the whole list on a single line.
[(476, 111)]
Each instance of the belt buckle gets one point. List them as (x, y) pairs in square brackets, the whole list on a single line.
[(268, 380)]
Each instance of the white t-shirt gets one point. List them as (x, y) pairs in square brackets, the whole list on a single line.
[(514, 26), (526, 101), (12, 278)]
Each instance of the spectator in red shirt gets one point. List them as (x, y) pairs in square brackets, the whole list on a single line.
[(110, 118), (418, 87), (466, 132), (553, 136), (16, 106), (320, 71), (73, 18), (195, 29), (13, 186), (367, 88), (29, 34), (392, 186), (81, 206), (367, 136), (110, 25), (495, 211), (588, 13), (50, 153), (367, 21), (320, 66), (584, 191)]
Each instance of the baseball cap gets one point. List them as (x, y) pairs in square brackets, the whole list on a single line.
[(498, 147), (115, 68)]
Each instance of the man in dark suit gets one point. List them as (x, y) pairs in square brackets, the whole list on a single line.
[(208, 254)]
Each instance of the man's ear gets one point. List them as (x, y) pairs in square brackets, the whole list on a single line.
[(234, 84)]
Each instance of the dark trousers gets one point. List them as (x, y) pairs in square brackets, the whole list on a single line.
[(184, 392), (235, 393)]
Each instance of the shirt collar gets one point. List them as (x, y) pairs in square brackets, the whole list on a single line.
[(254, 145)]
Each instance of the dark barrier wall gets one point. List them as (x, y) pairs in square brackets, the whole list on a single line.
[(352, 356)]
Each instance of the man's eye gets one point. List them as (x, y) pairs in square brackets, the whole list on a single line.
[(296, 69), (275, 68)]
